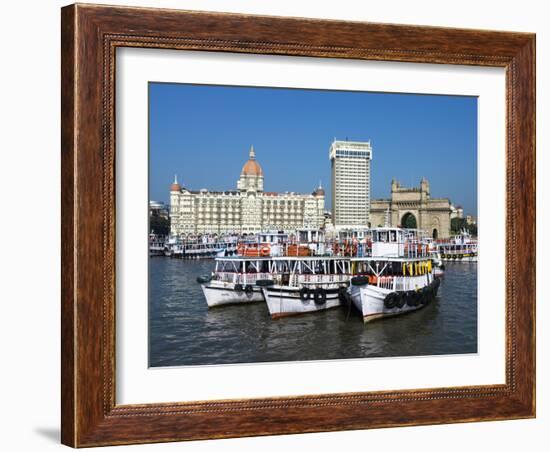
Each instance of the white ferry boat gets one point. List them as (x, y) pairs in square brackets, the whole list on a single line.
[(173, 247), (396, 279), (459, 248), (156, 244), (289, 284), (200, 248), (306, 284), (234, 280)]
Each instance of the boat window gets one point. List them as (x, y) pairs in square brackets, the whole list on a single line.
[(393, 236), (383, 236)]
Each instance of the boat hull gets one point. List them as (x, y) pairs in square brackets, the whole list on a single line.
[(220, 294), (369, 301), (284, 301)]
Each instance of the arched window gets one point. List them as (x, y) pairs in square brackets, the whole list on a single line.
[(409, 221)]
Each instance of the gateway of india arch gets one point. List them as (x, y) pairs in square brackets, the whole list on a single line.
[(413, 207)]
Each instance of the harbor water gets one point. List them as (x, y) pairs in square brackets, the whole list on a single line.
[(183, 331)]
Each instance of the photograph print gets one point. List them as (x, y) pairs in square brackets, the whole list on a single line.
[(294, 225)]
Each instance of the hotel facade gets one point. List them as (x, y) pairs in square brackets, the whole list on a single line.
[(248, 209)]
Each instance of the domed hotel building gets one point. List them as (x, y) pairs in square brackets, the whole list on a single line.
[(247, 209)]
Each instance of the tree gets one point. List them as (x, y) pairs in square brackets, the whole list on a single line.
[(159, 225), (460, 224), (457, 225)]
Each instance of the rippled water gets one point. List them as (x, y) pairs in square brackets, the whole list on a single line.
[(183, 331)]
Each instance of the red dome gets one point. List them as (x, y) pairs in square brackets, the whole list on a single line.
[(175, 186), (319, 192), (252, 167)]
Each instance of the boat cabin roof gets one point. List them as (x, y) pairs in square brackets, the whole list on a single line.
[(322, 258), (280, 258)]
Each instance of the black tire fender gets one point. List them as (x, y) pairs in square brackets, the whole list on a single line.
[(409, 298), (342, 294), (400, 300), (424, 297), (390, 301), (320, 296), (417, 296), (304, 293)]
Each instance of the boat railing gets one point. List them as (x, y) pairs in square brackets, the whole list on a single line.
[(241, 278), (402, 283), (337, 278), (415, 249), (294, 280)]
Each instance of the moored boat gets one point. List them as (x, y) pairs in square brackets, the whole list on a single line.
[(306, 284), (156, 244), (200, 247), (396, 279), (218, 293), (459, 248), (234, 280)]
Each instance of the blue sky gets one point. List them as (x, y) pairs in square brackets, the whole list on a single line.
[(203, 133)]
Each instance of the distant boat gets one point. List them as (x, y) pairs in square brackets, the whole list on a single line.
[(459, 248), (156, 244), (200, 248)]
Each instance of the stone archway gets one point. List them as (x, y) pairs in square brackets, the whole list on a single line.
[(408, 203), (409, 221)]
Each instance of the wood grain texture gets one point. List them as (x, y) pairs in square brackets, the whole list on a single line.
[(67, 226), (90, 36)]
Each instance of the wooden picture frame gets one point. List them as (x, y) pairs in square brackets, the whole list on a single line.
[(90, 35)]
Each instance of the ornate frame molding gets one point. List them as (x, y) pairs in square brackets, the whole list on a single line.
[(90, 37)]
